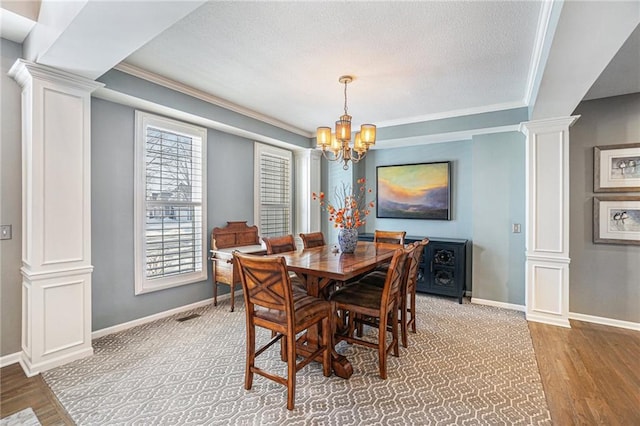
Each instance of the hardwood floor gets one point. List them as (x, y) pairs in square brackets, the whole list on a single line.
[(590, 374), (19, 392)]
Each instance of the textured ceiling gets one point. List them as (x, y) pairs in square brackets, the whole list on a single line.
[(410, 59)]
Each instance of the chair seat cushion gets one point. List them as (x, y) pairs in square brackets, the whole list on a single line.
[(360, 294), (384, 267), (376, 278), (304, 306)]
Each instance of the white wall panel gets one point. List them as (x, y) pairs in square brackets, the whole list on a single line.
[(63, 185), (64, 315), (548, 208), (547, 289)]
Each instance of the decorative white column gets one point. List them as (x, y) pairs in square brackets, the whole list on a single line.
[(547, 220), (56, 211), (307, 163)]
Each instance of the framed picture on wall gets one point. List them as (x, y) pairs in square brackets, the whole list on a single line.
[(414, 191), (616, 220), (616, 168)]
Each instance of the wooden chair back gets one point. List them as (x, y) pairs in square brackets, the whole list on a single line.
[(391, 237), (376, 307), (269, 303), (409, 321), (313, 239), (281, 244), (265, 283)]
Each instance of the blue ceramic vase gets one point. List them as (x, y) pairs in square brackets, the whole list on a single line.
[(348, 239)]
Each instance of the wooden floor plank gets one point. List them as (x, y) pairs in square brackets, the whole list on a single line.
[(590, 373), (17, 392)]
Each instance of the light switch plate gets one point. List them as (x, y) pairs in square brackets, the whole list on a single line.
[(515, 228), (5, 232)]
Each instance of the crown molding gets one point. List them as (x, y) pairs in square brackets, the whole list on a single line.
[(451, 114), (134, 102), (207, 97), (543, 37), (442, 137)]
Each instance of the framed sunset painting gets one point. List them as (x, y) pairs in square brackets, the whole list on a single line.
[(414, 191)]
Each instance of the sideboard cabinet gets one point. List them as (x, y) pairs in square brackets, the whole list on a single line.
[(443, 267)]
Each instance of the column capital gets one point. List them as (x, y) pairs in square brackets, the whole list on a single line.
[(25, 71), (307, 153), (548, 124)]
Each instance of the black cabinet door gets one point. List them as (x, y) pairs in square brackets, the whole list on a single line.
[(443, 266), (444, 269)]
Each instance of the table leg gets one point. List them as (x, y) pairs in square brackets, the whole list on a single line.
[(340, 364)]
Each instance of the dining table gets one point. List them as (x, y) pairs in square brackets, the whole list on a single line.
[(325, 266)]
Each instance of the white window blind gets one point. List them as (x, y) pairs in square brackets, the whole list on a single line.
[(273, 190), (170, 204)]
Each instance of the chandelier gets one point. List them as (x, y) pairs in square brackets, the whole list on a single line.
[(336, 145)]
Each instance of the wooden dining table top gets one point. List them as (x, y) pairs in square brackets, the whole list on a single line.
[(324, 262)]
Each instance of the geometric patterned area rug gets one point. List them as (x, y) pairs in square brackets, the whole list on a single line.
[(25, 417), (468, 364)]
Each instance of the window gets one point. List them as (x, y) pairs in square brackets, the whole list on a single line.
[(272, 190), (170, 203)]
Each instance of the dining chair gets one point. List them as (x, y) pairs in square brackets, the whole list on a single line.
[(272, 303), (360, 299), (391, 237), (280, 244), (412, 285), (407, 294), (312, 239)]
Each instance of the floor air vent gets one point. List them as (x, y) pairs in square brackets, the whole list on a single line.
[(188, 317)]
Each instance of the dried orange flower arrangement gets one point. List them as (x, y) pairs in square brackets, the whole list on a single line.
[(350, 209)]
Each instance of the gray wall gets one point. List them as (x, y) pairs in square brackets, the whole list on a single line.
[(230, 197), (10, 202), (604, 278)]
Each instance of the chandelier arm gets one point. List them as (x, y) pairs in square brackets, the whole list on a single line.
[(336, 157), (355, 156)]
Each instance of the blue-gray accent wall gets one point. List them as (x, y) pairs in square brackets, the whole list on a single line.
[(151, 92), (487, 196), (460, 155), (498, 199), (229, 197)]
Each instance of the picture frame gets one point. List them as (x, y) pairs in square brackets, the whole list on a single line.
[(616, 220), (414, 191), (616, 168)]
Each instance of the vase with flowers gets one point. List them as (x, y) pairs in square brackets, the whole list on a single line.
[(348, 212)]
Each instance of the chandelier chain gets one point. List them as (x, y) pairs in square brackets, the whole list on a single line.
[(345, 97)]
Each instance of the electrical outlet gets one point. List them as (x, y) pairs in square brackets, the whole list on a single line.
[(5, 232), (515, 228)]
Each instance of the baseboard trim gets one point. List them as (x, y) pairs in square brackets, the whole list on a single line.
[(10, 359), (548, 319), (30, 369), (503, 305), (605, 321), (144, 320)]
